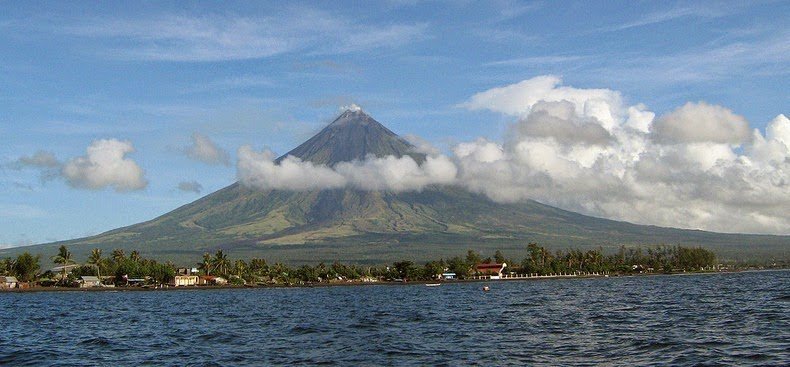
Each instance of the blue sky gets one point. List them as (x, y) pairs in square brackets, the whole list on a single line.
[(269, 75)]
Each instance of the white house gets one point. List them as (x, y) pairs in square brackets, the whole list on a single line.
[(8, 282), (211, 280), (185, 280), (89, 281)]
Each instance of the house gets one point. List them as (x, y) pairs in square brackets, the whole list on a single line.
[(448, 276), (8, 282), (186, 271), (494, 270), (58, 270), (185, 280), (137, 281), (88, 281), (211, 280)]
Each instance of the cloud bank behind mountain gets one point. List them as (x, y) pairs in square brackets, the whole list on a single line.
[(585, 150)]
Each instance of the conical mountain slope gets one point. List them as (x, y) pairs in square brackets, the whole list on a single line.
[(378, 226), (353, 135)]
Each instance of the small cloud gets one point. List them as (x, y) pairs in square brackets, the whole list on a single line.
[(352, 107), (190, 186), (105, 165), (44, 161), (40, 159), (206, 151), (421, 145)]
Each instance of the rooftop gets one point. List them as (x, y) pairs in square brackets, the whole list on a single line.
[(491, 266)]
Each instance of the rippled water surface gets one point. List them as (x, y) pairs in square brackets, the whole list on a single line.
[(715, 319)]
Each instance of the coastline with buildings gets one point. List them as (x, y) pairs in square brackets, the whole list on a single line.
[(134, 273)]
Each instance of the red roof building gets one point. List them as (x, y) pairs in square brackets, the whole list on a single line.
[(491, 269)]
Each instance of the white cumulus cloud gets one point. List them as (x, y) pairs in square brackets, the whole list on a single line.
[(518, 99), (585, 150), (779, 130), (397, 173), (261, 170), (698, 166), (105, 165)]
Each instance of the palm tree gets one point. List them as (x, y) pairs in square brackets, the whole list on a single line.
[(64, 258), (221, 262), (135, 256), (205, 265), (118, 255), (259, 267), (7, 266), (241, 268), (95, 260), (545, 257)]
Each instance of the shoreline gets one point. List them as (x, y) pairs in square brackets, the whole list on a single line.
[(355, 284)]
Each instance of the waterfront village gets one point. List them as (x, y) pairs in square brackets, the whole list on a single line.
[(119, 270)]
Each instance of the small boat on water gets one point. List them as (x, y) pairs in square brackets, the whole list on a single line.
[(433, 284)]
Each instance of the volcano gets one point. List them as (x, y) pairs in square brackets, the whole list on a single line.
[(374, 227)]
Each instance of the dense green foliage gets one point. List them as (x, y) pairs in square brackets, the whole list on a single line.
[(25, 267), (119, 268), (663, 258), (541, 262)]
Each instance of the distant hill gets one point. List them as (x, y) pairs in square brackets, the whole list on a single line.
[(378, 226)]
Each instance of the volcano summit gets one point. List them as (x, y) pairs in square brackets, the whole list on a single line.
[(352, 224)]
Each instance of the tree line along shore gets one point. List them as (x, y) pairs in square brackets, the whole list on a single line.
[(118, 269)]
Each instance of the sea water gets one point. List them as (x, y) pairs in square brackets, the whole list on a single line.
[(705, 319)]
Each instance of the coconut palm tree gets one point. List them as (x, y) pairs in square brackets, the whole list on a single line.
[(7, 266), (240, 268), (63, 258), (205, 265), (221, 262), (95, 260), (135, 256), (118, 255)]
